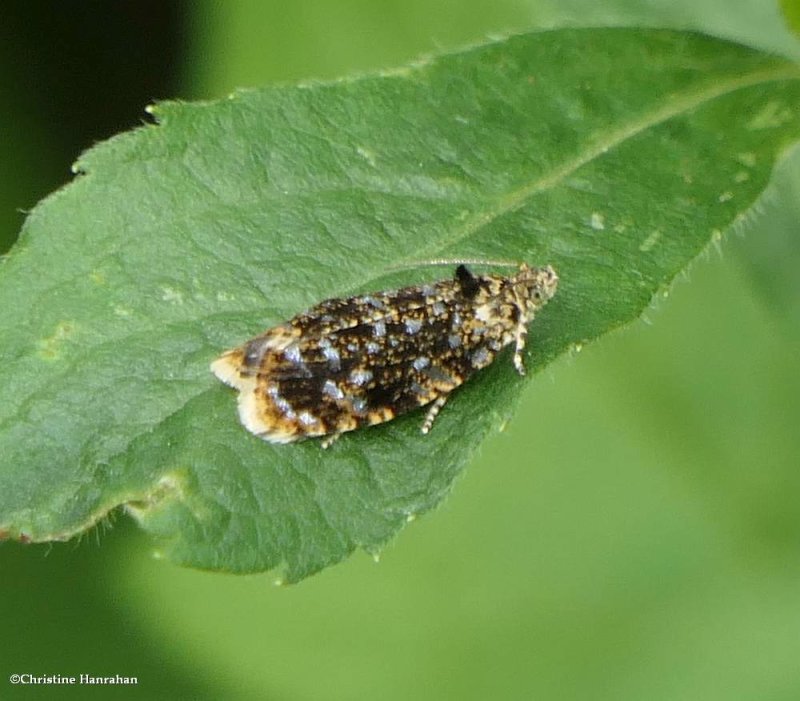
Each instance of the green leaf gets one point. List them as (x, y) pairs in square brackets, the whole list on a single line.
[(614, 155)]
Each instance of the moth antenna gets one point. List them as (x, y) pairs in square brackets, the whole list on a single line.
[(456, 261)]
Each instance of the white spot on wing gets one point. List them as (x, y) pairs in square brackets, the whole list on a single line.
[(331, 389), (373, 302), (360, 376), (479, 358), (359, 404), (421, 363), (306, 418), (332, 356), (413, 325), (292, 354)]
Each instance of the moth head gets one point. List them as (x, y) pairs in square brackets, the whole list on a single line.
[(539, 285)]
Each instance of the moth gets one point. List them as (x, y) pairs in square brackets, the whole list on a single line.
[(357, 361)]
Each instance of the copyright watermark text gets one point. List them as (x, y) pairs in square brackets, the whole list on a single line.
[(80, 680)]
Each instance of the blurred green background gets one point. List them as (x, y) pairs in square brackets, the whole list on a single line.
[(633, 534)]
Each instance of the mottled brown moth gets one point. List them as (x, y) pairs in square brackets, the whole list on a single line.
[(359, 361)]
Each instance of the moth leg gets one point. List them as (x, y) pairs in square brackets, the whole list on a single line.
[(520, 336), (329, 440), (433, 412)]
